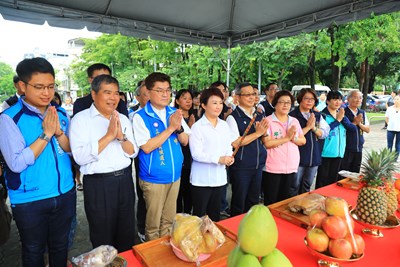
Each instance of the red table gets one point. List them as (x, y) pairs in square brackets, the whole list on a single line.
[(383, 252)]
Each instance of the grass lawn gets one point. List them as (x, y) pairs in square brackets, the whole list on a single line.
[(376, 117)]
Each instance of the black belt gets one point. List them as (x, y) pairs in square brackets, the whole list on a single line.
[(108, 174)]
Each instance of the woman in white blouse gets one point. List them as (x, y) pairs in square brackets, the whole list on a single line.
[(392, 117), (210, 145)]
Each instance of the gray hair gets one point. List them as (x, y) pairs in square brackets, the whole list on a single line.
[(99, 80), (238, 87), (352, 92), (137, 90)]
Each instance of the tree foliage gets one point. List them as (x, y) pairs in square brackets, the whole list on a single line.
[(302, 59), (6, 81)]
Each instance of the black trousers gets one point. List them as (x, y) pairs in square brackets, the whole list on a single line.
[(206, 200), (328, 172), (184, 200), (246, 187), (110, 208), (277, 186), (351, 161), (141, 204)]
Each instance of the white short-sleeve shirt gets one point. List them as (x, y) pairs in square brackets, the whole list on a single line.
[(87, 128)]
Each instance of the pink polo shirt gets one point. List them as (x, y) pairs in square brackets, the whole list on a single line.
[(286, 157)]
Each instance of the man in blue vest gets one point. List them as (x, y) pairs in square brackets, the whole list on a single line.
[(34, 142), (246, 171), (159, 130), (355, 140)]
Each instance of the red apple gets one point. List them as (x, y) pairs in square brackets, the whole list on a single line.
[(316, 216), (317, 239), (336, 206), (335, 227), (357, 243), (340, 248)]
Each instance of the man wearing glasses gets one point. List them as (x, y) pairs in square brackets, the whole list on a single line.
[(34, 142), (246, 171), (159, 130)]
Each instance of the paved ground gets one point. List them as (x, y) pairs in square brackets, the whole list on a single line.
[(10, 255)]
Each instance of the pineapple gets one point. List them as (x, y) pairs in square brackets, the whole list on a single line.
[(375, 201), (392, 199)]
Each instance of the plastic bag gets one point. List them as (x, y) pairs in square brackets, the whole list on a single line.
[(331, 231), (98, 257), (352, 175), (195, 236), (307, 203)]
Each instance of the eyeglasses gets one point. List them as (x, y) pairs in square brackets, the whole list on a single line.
[(285, 103), (41, 87), (162, 91), (308, 99), (248, 95)]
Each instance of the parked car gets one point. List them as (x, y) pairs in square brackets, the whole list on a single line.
[(371, 104), (380, 101)]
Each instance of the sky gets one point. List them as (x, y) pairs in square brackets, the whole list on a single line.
[(17, 38)]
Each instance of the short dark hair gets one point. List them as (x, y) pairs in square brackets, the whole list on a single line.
[(123, 94), (57, 95), (16, 79), (280, 94), (99, 80), (206, 94), (303, 92), (97, 66), (30, 66), (334, 94), (156, 77), (218, 83), (239, 86), (266, 89), (179, 94), (195, 93)]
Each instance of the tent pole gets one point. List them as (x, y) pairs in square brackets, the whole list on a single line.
[(259, 75), (228, 69)]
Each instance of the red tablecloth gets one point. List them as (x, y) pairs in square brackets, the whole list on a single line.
[(383, 252)]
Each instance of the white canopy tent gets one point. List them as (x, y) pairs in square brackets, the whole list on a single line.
[(224, 23), (208, 22)]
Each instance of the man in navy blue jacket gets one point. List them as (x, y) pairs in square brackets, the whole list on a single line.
[(85, 102), (355, 140)]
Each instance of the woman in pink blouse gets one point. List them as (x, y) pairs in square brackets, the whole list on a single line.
[(284, 137)]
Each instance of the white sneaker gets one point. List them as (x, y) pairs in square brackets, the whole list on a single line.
[(142, 237)]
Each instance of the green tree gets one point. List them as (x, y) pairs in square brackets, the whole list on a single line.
[(367, 46), (6, 81), (363, 51)]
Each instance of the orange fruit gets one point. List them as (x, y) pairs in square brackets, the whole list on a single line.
[(397, 184)]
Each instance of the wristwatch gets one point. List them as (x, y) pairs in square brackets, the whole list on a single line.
[(44, 137), (181, 130), (124, 138)]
